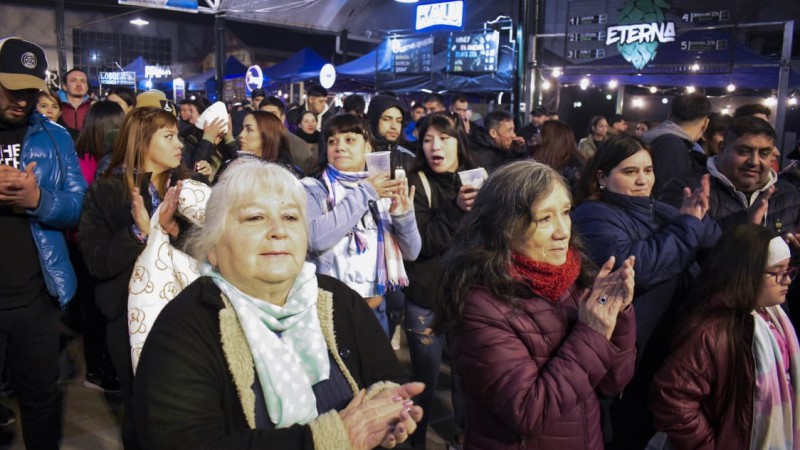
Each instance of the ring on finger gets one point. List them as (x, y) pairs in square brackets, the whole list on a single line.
[(602, 300)]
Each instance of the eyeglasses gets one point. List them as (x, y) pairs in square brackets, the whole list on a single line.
[(780, 277)]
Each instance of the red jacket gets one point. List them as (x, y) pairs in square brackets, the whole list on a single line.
[(73, 117), (531, 377), (691, 396)]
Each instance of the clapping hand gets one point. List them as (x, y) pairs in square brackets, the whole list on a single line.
[(611, 293), (386, 420), (19, 188), (169, 206), (696, 203), (757, 211)]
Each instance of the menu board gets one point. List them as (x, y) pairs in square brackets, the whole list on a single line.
[(473, 52), (411, 55), (651, 36)]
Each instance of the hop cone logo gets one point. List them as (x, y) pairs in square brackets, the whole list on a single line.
[(640, 11)]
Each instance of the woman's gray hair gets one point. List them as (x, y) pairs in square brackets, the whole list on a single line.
[(481, 251), (239, 185)]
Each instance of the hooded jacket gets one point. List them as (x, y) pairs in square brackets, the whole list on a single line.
[(62, 187), (729, 207), (400, 156), (672, 153)]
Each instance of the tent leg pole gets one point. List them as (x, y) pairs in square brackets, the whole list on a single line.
[(783, 87)]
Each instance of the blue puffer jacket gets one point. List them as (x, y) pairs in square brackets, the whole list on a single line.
[(664, 242), (58, 173)]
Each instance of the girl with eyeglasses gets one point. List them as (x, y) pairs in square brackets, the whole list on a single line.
[(733, 379)]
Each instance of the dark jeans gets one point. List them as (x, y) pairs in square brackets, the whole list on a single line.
[(425, 349), (31, 337), (119, 348), (395, 306)]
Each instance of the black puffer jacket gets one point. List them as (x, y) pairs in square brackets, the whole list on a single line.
[(436, 223), (729, 207), (486, 154)]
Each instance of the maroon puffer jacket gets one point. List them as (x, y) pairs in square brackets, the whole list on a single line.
[(691, 396), (531, 376)]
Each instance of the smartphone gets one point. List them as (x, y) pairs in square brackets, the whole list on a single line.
[(399, 174)]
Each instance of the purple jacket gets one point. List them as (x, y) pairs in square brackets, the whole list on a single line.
[(531, 376)]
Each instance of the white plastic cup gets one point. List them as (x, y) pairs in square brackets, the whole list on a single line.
[(473, 177), (378, 163)]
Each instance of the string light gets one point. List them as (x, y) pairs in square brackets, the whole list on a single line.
[(584, 83), (690, 89), (613, 84), (653, 89)]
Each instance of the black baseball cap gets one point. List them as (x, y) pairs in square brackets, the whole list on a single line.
[(258, 93), (23, 65)]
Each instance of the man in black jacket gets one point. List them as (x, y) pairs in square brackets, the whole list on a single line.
[(496, 143), (317, 103), (674, 142)]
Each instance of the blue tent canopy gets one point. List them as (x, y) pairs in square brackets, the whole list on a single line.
[(748, 70), (234, 68), (302, 66), (378, 64), (137, 65), (364, 68), (198, 82)]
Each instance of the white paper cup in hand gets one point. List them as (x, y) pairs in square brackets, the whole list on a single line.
[(378, 163), (473, 177)]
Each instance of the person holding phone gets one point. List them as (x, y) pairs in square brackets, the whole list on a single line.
[(362, 227)]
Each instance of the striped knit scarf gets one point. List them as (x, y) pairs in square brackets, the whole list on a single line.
[(776, 423), (390, 270)]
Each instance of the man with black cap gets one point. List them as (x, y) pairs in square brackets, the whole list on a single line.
[(41, 193), (385, 115), (534, 128)]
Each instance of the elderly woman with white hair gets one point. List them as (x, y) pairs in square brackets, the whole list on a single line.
[(261, 352)]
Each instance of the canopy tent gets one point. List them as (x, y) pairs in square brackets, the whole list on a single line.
[(364, 68), (375, 68), (137, 65), (198, 82), (747, 69), (302, 66), (234, 68)]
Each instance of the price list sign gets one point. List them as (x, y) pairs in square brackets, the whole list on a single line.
[(586, 32), (653, 36), (411, 55), (473, 52)]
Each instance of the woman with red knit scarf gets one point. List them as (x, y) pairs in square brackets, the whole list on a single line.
[(537, 333)]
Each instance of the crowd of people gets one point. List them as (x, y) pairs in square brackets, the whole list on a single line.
[(632, 289)]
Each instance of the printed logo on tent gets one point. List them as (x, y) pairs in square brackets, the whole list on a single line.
[(640, 29)]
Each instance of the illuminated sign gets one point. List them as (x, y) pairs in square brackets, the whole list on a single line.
[(117, 78), (254, 78), (442, 15), (178, 5), (640, 29), (157, 71), (327, 76)]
